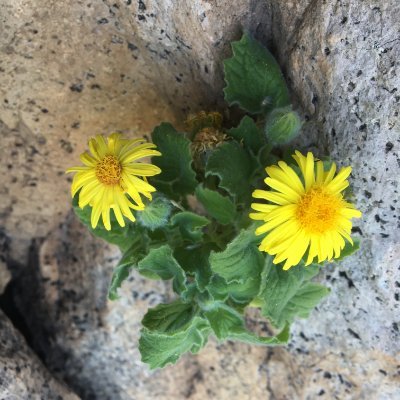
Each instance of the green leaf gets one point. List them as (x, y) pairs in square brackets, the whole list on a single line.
[(169, 318), (289, 294), (282, 125), (195, 262), (349, 249), (246, 291), (253, 77), (121, 272), (177, 177), (128, 261), (240, 266), (218, 288), (248, 133), (219, 207), (190, 225), (228, 324), (264, 159), (156, 213), (240, 260), (169, 330), (240, 293), (118, 235), (232, 165), (160, 263)]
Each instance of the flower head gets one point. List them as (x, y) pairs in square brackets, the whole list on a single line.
[(304, 214), (113, 179)]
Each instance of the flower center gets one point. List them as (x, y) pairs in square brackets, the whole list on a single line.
[(318, 210), (108, 170)]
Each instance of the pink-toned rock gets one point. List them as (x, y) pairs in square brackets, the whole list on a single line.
[(70, 70)]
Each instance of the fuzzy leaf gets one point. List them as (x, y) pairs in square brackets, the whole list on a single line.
[(169, 318), (248, 133), (177, 177), (232, 165), (289, 294), (253, 77), (155, 214), (240, 260), (127, 262), (218, 288), (121, 272), (170, 330), (228, 324), (195, 262), (240, 293), (238, 270), (219, 207), (160, 263), (282, 125), (190, 225), (245, 292)]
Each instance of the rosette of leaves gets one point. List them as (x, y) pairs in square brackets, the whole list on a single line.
[(211, 256)]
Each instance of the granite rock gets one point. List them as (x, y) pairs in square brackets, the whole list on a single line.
[(92, 344), (5, 274), (68, 71), (22, 375)]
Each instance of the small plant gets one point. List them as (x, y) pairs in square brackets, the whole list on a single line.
[(220, 214)]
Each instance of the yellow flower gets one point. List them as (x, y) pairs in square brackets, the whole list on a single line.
[(305, 214), (113, 179)]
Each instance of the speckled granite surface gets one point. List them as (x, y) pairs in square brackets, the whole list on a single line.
[(72, 69), (22, 375)]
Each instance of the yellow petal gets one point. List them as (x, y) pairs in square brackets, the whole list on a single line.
[(299, 248), (87, 193), (141, 151), (105, 214), (330, 174), (294, 178), (320, 175), (94, 218), (350, 213), (265, 208), (141, 169), (123, 203), (88, 160), (309, 175), (82, 178), (257, 216), (130, 146), (300, 160), (274, 197), (292, 195)]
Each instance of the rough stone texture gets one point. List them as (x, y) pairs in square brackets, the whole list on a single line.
[(5, 274), (92, 344), (73, 69), (22, 375), (344, 71)]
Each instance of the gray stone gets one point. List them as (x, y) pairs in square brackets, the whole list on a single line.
[(22, 375), (5, 276), (69, 71)]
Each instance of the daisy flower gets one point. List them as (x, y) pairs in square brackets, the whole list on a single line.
[(305, 215), (113, 179)]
